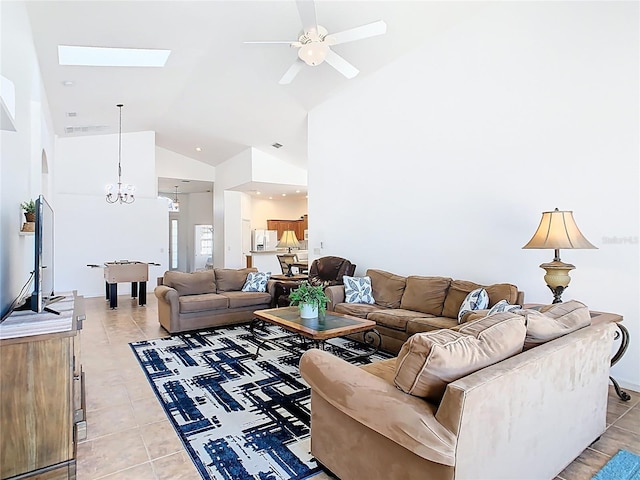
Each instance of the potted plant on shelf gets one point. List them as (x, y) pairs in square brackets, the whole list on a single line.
[(310, 299), (29, 210)]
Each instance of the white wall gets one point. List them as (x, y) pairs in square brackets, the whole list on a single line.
[(91, 231), (231, 173), (269, 169), (447, 157), (173, 165), (21, 150), (263, 209)]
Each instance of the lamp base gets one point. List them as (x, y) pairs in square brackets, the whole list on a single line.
[(289, 272), (557, 277), (557, 293)]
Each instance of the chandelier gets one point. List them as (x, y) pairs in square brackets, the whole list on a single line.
[(124, 192)]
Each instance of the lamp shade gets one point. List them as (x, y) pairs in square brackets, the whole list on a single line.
[(558, 230), (288, 240)]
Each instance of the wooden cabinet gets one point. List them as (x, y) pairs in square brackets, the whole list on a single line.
[(298, 226), (41, 394)]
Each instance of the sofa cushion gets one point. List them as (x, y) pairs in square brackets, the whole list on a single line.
[(247, 299), (190, 283), (384, 369), (356, 309), (230, 279), (429, 323), (202, 302), (459, 289), (425, 294), (428, 362), (395, 318), (357, 289), (502, 291), (387, 287), (554, 321), (476, 300), (256, 282)]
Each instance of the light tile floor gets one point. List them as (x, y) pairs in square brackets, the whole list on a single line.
[(130, 437)]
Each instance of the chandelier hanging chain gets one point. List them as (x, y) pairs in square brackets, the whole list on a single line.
[(123, 194), (120, 148)]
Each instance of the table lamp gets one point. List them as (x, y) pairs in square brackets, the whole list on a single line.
[(288, 240), (558, 230)]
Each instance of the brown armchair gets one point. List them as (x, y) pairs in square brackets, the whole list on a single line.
[(327, 271)]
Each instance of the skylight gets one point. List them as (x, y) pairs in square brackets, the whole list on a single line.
[(111, 57)]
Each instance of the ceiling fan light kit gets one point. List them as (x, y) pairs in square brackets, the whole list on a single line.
[(313, 53), (315, 42)]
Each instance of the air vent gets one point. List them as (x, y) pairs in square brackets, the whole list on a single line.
[(276, 145), (72, 114), (86, 129)]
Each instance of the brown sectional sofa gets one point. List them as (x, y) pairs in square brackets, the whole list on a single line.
[(190, 301), (405, 306)]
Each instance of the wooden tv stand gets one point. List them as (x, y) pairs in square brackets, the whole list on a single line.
[(42, 405)]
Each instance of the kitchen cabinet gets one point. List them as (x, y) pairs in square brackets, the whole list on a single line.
[(298, 226)]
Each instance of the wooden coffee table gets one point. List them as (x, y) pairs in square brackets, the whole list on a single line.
[(318, 330)]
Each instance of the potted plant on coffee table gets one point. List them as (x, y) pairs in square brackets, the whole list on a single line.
[(311, 299)]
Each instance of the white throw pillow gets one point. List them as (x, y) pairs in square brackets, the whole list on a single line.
[(503, 306), (357, 289), (256, 282), (475, 300)]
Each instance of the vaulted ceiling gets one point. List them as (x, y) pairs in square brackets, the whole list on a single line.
[(215, 92)]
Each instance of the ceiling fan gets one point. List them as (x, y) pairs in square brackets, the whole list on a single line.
[(314, 43)]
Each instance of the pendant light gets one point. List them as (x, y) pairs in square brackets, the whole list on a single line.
[(176, 203), (125, 192)]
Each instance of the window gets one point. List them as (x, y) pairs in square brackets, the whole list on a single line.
[(173, 244)]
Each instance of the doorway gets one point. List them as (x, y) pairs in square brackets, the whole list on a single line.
[(203, 247)]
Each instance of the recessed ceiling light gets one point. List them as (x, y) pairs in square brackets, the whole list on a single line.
[(284, 194), (198, 149), (257, 193), (67, 83), (270, 198), (297, 191), (111, 57), (276, 145)]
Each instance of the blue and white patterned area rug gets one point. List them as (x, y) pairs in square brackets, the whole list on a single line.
[(238, 418), (624, 465)]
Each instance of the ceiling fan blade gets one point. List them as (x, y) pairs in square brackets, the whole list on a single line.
[(357, 33), (291, 73), (340, 64), (307, 11)]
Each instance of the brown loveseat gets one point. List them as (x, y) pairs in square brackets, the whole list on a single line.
[(189, 301), (527, 416), (405, 306)]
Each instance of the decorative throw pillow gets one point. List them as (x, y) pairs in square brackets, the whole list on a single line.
[(503, 306), (256, 282), (357, 290), (429, 361), (554, 321), (476, 300)]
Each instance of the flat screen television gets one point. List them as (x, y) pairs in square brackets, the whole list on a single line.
[(43, 290)]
